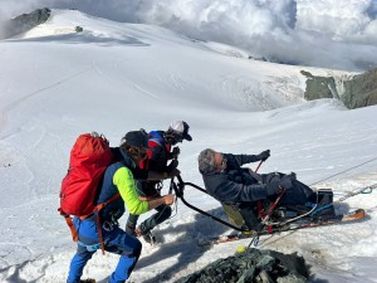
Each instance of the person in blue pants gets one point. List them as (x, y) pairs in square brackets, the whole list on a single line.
[(118, 178), (116, 241)]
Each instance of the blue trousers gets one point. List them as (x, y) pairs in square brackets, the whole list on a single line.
[(116, 241)]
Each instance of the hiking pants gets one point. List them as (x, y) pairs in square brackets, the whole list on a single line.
[(148, 189), (116, 241), (163, 213)]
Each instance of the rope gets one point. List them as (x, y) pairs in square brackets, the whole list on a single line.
[(255, 240), (344, 171), (364, 190), (175, 209)]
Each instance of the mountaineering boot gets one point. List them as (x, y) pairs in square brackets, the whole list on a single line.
[(149, 238), (147, 235)]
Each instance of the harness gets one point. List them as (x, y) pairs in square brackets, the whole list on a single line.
[(96, 214)]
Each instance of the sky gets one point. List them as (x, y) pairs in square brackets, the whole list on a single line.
[(325, 33), (56, 84)]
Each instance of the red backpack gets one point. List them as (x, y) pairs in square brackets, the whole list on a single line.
[(89, 158)]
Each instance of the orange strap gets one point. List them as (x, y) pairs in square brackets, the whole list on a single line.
[(72, 228), (97, 209), (100, 236), (100, 206)]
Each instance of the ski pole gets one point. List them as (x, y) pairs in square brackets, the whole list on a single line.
[(255, 240), (260, 163)]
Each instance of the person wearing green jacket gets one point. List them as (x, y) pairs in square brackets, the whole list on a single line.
[(118, 179)]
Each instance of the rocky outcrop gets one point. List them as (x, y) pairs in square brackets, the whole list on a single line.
[(359, 91), (254, 265), (319, 87), (25, 22)]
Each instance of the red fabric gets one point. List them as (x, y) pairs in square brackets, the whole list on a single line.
[(269, 229), (260, 210), (144, 164), (89, 159), (151, 145)]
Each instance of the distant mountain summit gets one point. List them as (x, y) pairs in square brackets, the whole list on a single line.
[(25, 22)]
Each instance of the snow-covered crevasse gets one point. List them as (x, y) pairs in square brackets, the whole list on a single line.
[(116, 77)]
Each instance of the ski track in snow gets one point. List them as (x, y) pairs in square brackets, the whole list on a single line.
[(13, 105), (216, 94)]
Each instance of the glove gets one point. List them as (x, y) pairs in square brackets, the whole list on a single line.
[(175, 152), (173, 173), (264, 155), (173, 164), (293, 176)]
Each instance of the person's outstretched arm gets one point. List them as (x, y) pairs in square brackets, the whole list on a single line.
[(124, 181), (237, 160), (225, 190)]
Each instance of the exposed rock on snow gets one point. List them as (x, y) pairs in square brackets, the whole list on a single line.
[(358, 91), (319, 87), (253, 266), (361, 90), (25, 22)]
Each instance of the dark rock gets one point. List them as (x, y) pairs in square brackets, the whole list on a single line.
[(319, 87), (359, 91), (79, 29), (261, 266), (25, 22)]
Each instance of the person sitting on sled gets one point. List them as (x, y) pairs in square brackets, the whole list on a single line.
[(229, 183)]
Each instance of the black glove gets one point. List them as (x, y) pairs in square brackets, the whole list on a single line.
[(175, 152), (264, 155), (173, 173), (173, 164), (293, 176)]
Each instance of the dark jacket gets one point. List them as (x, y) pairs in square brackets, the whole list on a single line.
[(240, 185), (159, 154), (236, 184)]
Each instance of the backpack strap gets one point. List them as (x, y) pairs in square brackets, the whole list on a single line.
[(97, 209), (68, 220)]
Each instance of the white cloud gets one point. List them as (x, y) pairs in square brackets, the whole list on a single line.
[(301, 31), (342, 20)]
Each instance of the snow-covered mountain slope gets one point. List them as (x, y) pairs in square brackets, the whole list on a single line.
[(112, 77), (323, 33)]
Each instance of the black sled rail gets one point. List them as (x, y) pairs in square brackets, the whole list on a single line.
[(179, 191)]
